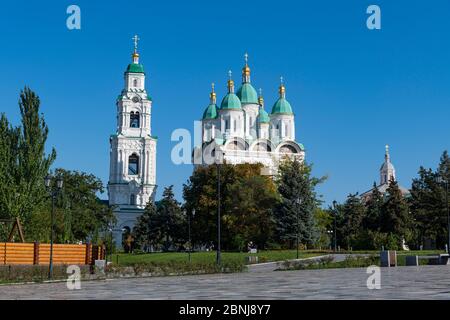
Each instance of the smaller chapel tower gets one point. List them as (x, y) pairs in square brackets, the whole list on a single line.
[(387, 170)]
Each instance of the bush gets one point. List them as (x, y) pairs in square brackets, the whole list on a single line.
[(36, 273), (173, 268), (328, 263)]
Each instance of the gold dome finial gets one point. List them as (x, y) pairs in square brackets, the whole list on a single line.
[(212, 95), (282, 89), (230, 82), (260, 98), (246, 70)]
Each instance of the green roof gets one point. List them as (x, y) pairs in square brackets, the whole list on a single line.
[(247, 94), (210, 112), (263, 116), (282, 106), (231, 101), (135, 68)]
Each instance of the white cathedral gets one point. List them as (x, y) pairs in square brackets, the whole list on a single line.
[(132, 177), (243, 132)]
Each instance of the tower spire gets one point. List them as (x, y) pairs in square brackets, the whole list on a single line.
[(230, 82), (386, 154), (212, 95), (260, 98), (246, 70), (135, 54), (282, 89)]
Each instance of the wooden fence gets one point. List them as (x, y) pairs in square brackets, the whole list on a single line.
[(39, 253)]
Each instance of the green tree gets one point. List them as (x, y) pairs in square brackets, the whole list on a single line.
[(350, 219), (324, 219), (249, 216), (80, 215), (33, 164), (247, 199), (428, 205), (396, 218), (146, 230), (372, 219), (170, 220), (295, 212)]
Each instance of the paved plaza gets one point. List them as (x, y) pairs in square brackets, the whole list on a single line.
[(424, 282)]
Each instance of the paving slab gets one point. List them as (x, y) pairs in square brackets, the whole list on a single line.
[(423, 282)]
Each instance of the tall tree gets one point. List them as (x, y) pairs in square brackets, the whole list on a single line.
[(249, 216), (372, 218), (428, 205), (171, 220), (247, 200), (351, 215), (396, 219), (295, 212), (33, 164), (146, 230)]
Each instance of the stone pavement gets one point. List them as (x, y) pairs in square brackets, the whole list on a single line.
[(423, 282)]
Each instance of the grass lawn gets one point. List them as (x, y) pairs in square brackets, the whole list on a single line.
[(263, 256), (205, 257)]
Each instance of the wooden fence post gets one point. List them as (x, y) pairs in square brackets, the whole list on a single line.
[(36, 253), (88, 253)]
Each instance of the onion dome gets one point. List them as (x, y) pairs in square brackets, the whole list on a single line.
[(211, 110), (282, 106), (135, 66), (263, 116), (246, 93), (231, 100)]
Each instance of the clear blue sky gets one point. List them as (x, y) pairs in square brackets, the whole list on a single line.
[(353, 90)]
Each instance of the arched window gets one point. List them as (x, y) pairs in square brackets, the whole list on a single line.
[(135, 83), (133, 165), (132, 199), (134, 119)]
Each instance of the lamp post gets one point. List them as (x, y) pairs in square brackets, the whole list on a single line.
[(219, 160), (53, 192), (335, 218), (189, 232), (440, 180)]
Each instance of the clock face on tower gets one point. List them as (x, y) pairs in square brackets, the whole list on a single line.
[(135, 99)]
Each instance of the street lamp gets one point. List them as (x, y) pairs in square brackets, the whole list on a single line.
[(53, 192), (219, 161), (298, 201), (335, 218), (189, 232), (440, 180)]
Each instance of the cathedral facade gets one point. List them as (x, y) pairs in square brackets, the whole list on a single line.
[(242, 131), (132, 177)]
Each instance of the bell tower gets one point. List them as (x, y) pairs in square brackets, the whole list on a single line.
[(132, 174)]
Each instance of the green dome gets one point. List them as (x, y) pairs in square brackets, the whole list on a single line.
[(231, 101), (135, 68), (247, 94), (210, 112), (282, 106), (263, 116)]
